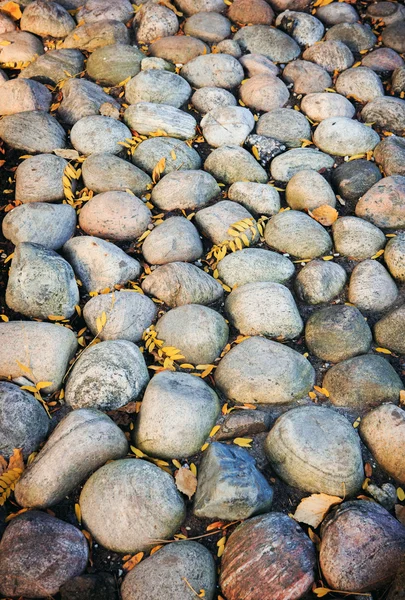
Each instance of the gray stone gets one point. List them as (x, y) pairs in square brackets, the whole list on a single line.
[(243, 423), (297, 234), (228, 162), (43, 348), (357, 239), (103, 172), (357, 37), (354, 178), (176, 239), (213, 70), (362, 84), (39, 179), (382, 59), (178, 49), (320, 282), (99, 134), (393, 36), (286, 165), (324, 105), (191, 7), (362, 382), (254, 264), (34, 131), (398, 80), (337, 333), (264, 93), (307, 77), (389, 154), (229, 47), (160, 87), (307, 190), (100, 264), (55, 65), (306, 29), (272, 43), (151, 151), (147, 118), (332, 55), (215, 221), (386, 11), (384, 203), (110, 65), (21, 95), (35, 571), (154, 21), (337, 12), (229, 485), (209, 98), (107, 376), (209, 27), (263, 371), (179, 283), (23, 421), (285, 125), (96, 35), (394, 257), (185, 190), (128, 314), (371, 287), (115, 216), (47, 19), (257, 64), (227, 125), (99, 10), (389, 332), (258, 198), (187, 403), (164, 574), (264, 308), (82, 98), (387, 113), (128, 504), (23, 47), (345, 137), (82, 442), (153, 62), (316, 450), (199, 332)]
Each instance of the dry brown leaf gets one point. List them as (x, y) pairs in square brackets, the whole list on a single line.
[(16, 460), (132, 562), (3, 464), (186, 482), (312, 510), (325, 214)]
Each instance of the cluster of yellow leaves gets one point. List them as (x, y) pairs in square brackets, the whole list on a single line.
[(158, 169), (12, 9), (165, 355), (131, 144), (70, 174), (10, 473), (37, 387), (163, 464)]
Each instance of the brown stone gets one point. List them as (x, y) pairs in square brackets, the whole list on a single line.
[(178, 49), (243, 423), (254, 12), (307, 77), (384, 203), (264, 93)]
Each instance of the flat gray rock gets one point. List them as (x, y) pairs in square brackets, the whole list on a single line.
[(272, 43), (34, 131), (307, 77), (185, 190), (47, 19), (228, 162), (158, 86), (361, 84), (355, 36), (332, 55), (209, 27), (213, 70), (82, 98), (147, 118), (21, 95), (345, 137), (154, 21), (209, 98), (264, 93), (103, 172), (110, 65), (99, 134), (319, 281), (283, 167), (257, 198), (174, 240), (389, 332), (39, 179), (394, 257), (305, 29), (371, 287), (386, 112), (227, 125), (215, 221), (54, 66), (91, 36), (254, 264), (151, 151), (383, 204), (356, 238), (308, 190), (285, 125), (323, 105)]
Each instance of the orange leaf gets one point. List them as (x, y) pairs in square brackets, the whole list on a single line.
[(325, 214), (132, 562), (12, 9), (186, 481), (16, 461)]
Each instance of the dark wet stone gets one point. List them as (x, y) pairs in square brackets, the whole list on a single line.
[(352, 179), (101, 586), (267, 147)]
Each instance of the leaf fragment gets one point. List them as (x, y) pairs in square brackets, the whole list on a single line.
[(312, 510)]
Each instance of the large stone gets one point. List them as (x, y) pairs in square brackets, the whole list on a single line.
[(191, 7), (92, 36), (256, 12), (34, 131), (286, 165), (306, 77), (394, 257), (178, 49), (305, 29), (259, 370), (209, 27), (308, 190), (128, 504), (228, 162), (185, 190), (384, 203), (158, 86), (321, 106), (393, 36), (99, 134), (342, 136), (32, 352), (148, 118), (389, 154), (387, 113), (154, 21), (355, 36), (27, 567), (215, 222), (82, 442), (389, 332), (110, 65), (21, 95), (316, 450), (100, 264), (254, 264), (39, 179), (151, 151), (257, 64), (200, 333), (361, 84), (176, 239), (354, 178), (103, 172), (337, 333), (99, 10), (332, 14), (23, 421), (213, 70), (264, 93), (54, 66), (82, 98), (382, 59), (227, 125), (257, 198), (332, 55), (386, 11), (269, 41), (371, 287), (187, 403), (285, 125), (320, 282), (357, 239), (6, 24), (23, 47), (47, 19), (362, 382)]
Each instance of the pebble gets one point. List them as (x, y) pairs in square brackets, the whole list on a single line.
[(98, 134), (82, 442), (272, 43), (264, 93), (362, 546), (39, 179), (227, 125), (24, 422), (41, 283), (257, 64), (34, 131), (371, 287), (305, 29), (210, 98), (174, 240), (316, 450), (178, 49), (82, 98), (128, 314), (213, 70), (107, 376), (383, 204), (154, 21), (264, 308), (336, 333), (100, 264), (254, 264), (353, 179), (306, 77), (342, 136), (209, 27), (187, 403), (35, 571), (110, 65), (362, 84), (52, 67), (267, 557), (386, 11), (263, 371), (355, 36), (398, 80), (158, 86), (382, 59), (103, 172), (46, 19), (215, 221), (319, 282), (332, 55), (229, 485), (99, 10), (393, 36), (362, 382), (394, 257), (387, 113), (21, 342), (199, 332), (151, 151), (257, 198), (128, 504), (251, 12), (228, 162), (357, 239), (95, 35), (285, 125), (185, 190), (389, 331), (323, 105), (389, 154), (20, 95), (163, 574), (289, 163), (308, 190), (243, 423), (296, 233), (332, 14), (23, 47)]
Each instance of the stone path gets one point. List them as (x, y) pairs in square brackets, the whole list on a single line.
[(202, 328)]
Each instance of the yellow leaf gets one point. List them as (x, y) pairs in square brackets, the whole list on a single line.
[(43, 384), (24, 368), (186, 366), (325, 215), (186, 482), (173, 155), (155, 549), (103, 319), (402, 397), (222, 541), (193, 469), (4, 318), (214, 430), (256, 152), (400, 494), (327, 257), (244, 442), (383, 350), (312, 395), (204, 447), (312, 510), (78, 513), (320, 592), (158, 169), (12, 9), (357, 422), (137, 452), (9, 258), (306, 143), (29, 388), (378, 254), (132, 562), (221, 548)]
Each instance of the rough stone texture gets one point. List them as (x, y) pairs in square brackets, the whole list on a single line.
[(324, 105), (99, 10), (387, 113), (398, 80), (227, 125), (317, 450), (332, 14), (215, 221), (23, 47), (307, 190), (306, 77), (362, 382), (304, 28), (47, 19), (257, 64), (99, 134), (213, 70), (264, 93), (337, 333), (209, 98), (382, 59), (82, 442), (285, 125), (272, 43), (154, 21), (147, 117), (151, 151), (254, 264), (286, 165), (103, 172), (6, 24), (257, 198), (387, 11), (39, 179), (161, 87), (342, 136), (357, 239), (107, 376), (357, 37), (384, 203), (228, 162), (92, 36), (243, 423), (320, 282), (191, 7), (394, 257), (393, 36), (82, 98), (353, 179), (263, 371), (332, 55), (176, 239), (27, 567), (128, 504), (178, 49), (209, 27), (21, 95), (185, 402), (200, 333), (110, 65), (371, 287), (389, 154), (268, 558), (52, 67), (34, 131), (361, 84), (389, 331), (256, 12), (185, 190)]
